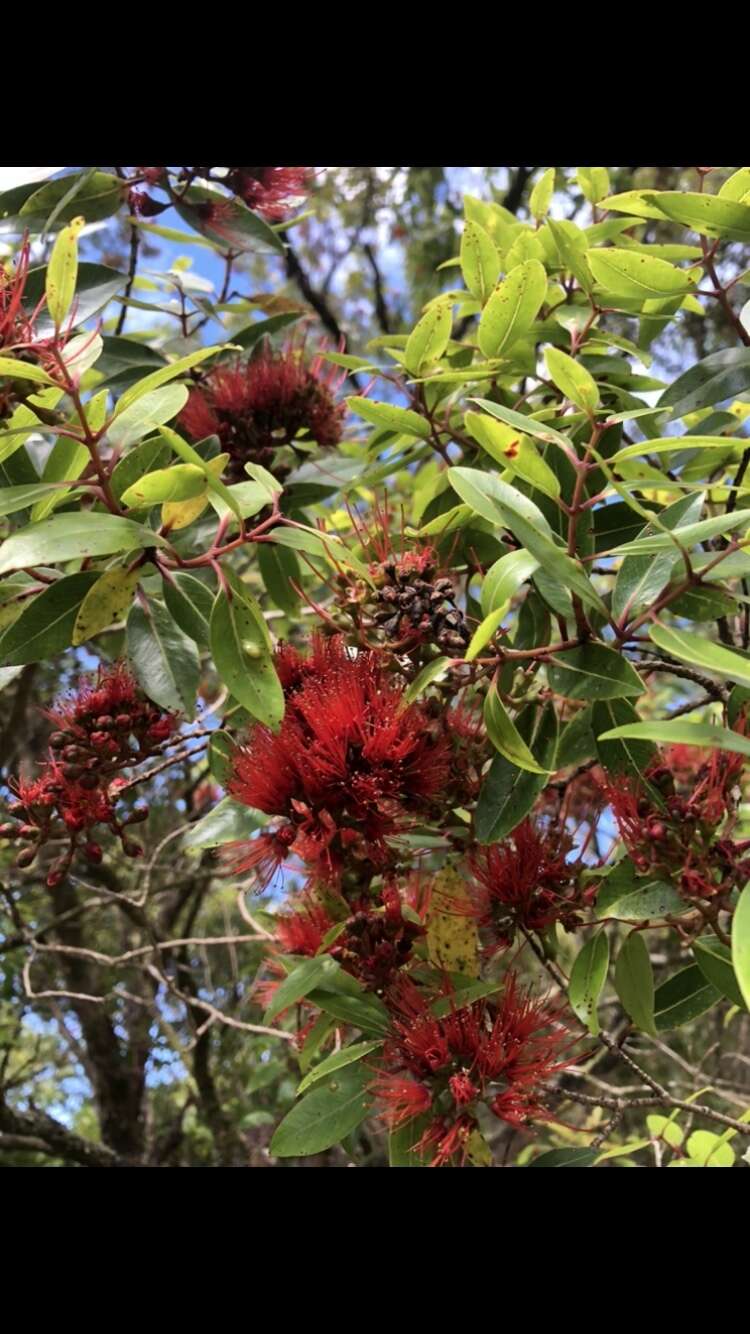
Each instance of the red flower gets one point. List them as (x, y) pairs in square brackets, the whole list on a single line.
[(449, 1140), (303, 930), (271, 191), (351, 765), (527, 879), (501, 1052), (256, 407), (15, 325), (108, 723), (400, 1098)]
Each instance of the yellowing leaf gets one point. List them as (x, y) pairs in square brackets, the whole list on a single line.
[(106, 602), (178, 514), (452, 939)]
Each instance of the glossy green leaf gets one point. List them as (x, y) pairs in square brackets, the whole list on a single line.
[(634, 982), (45, 625), (587, 978), (336, 1061), (164, 660), (714, 959), (593, 182), (683, 998), (241, 652), (304, 978), (717, 377), (99, 197), (741, 943), (504, 735), (432, 671), (228, 822), (512, 308), (620, 756), (508, 792), (365, 1012), (572, 379), (505, 577), (515, 452), (709, 215), (429, 338), (73, 536), (701, 653), (541, 195), (157, 378), (13, 369), (682, 733), (146, 414), (183, 481), (629, 274), (388, 418), (632, 898), (592, 672), (480, 262), (326, 1115)]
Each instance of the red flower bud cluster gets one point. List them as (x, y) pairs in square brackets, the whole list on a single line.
[(108, 725), (256, 407), (351, 767), (677, 822), (497, 1052)]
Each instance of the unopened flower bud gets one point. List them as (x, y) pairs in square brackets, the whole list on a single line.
[(93, 853), (25, 857), (132, 849)]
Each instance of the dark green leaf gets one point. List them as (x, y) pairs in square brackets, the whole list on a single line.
[(683, 998), (165, 661), (45, 626), (325, 1115)]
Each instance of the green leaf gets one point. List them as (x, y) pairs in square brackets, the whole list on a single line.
[(683, 998), (593, 183), (183, 481), (146, 457), (45, 626), (516, 453), (634, 982), (96, 285), (326, 1115), (630, 898), (190, 603), (709, 215), (709, 1150), (593, 672), (278, 566), (73, 536), (241, 652), (719, 376), (587, 978), (484, 632), (715, 962), (145, 415), (565, 1158), (512, 308), (508, 792), (165, 373), (336, 1061), (627, 273), (62, 272), (402, 1143), (684, 538), (429, 338), (221, 754), (105, 602), (640, 578), (23, 370), (541, 195), (505, 577), (682, 733), (526, 425), (14, 498), (480, 262), (741, 943), (572, 379), (228, 822), (504, 735), (664, 1127), (99, 197), (701, 653), (365, 1012), (433, 671), (186, 452), (620, 756), (238, 228), (389, 418), (164, 660), (303, 979), (571, 246)]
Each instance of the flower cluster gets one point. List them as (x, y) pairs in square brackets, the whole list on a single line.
[(499, 1053), (256, 407), (271, 191), (106, 726), (351, 767), (526, 880), (678, 821)]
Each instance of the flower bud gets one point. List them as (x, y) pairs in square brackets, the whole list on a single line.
[(132, 849), (25, 857)]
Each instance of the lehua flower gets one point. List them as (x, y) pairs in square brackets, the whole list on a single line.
[(271, 191), (350, 767), (526, 880), (255, 407), (499, 1052)]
